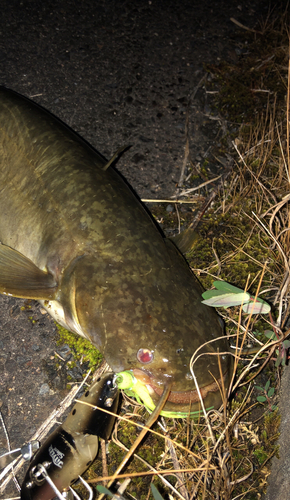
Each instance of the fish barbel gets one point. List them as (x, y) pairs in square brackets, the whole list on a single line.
[(75, 237)]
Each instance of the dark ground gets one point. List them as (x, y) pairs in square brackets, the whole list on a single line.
[(118, 72)]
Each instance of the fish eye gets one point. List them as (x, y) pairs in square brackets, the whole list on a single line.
[(178, 351), (145, 356)]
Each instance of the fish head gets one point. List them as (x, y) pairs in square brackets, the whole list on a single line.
[(155, 325)]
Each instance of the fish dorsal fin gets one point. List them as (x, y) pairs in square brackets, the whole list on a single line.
[(118, 152), (20, 277), (186, 240)]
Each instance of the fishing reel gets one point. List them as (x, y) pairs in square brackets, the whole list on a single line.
[(39, 476), (73, 446)]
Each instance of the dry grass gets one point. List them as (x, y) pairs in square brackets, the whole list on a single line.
[(246, 241), (225, 455)]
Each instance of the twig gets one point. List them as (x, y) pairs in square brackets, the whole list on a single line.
[(196, 188), (208, 201), (240, 25), (9, 449), (171, 201), (253, 175), (153, 417), (172, 451), (104, 459), (186, 149), (217, 259), (178, 217), (287, 119)]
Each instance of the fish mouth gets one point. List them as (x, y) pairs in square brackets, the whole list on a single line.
[(188, 397), (184, 400)]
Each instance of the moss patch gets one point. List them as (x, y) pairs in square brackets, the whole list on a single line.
[(81, 347)]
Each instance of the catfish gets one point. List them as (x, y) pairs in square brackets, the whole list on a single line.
[(75, 237)]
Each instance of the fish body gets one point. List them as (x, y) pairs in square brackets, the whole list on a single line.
[(75, 237), (73, 446)]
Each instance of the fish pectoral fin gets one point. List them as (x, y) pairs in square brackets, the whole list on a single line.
[(115, 156), (186, 240), (20, 277)]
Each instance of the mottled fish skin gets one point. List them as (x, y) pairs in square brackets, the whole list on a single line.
[(113, 277), (72, 447)]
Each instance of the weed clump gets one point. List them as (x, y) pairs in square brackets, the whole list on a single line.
[(81, 347)]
